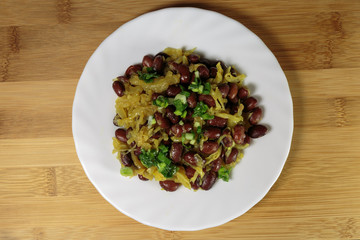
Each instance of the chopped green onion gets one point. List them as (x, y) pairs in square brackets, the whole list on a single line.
[(189, 136), (161, 101), (192, 142), (181, 97), (181, 122), (126, 171), (224, 173), (207, 116), (197, 124), (183, 115)]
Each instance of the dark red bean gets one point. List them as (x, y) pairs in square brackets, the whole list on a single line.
[(207, 99), (142, 178), (119, 88), (243, 93), (234, 108), (137, 151), (162, 121), (123, 79), (207, 62), (213, 72), (184, 73), (216, 165), (233, 90), (196, 185), (189, 157), (257, 131), (158, 64), (126, 159), (249, 104), (115, 119), (157, 135), (133, 69), (176, 151), (217, 122), (233, 72), (224, 89), (154, 96), (239, 134), (162, 54), (189, 171), (208, 180), (232, 156), (173, 90), (191, 100), (212, 132), (169, 185), (235, 100), (193, 58), (247, 140), (176, 130), (209, 147), (188, 127), (132, 144), (120, 134), (171, 115), (227, 140), (255, 116), (189, 114), (148, 61), (203, 72)]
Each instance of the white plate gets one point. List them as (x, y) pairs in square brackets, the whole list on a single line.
[(217, 37)]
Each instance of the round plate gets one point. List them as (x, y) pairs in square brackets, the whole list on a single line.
[(217, 37)]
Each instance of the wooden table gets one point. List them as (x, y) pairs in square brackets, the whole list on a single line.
[(44, 193)]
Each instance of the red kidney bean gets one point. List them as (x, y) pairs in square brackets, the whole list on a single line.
[(191, 100), (207, 99), (142, 178), (233, 71), (132, 144), (217, 122), (162, 121), (188, 127), (189, 157), (249, 104), (166, 142), (123, 79), (207, 62), (257, 131), (233, 90), (162, 54), (227, 140), (224, 89), (209, 147), (176, 130), (212, 132), (232, 156), (116, 118), (133, 69), (169, 185), (213, 72), (234, 108), (148, 61), (243, 93), (173, 90), (203, 72), (120, 134), (189, 171), (176, 151), (195, 185), (235, 100), (158, 64), (171, 115), (255, 116), (239, 134), (184, 73), (247, 140), (157, 135), (154, 96), (216, 165), (193, 58), (173, 66), (119, 88), (189, 114), (208, 180), (137, 151), (126, 159)]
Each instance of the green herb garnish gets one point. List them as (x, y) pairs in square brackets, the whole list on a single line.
[(126, 171), (149, 76), (224, 173), (201, 111), (161, 101)]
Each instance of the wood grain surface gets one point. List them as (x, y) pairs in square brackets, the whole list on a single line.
[(45, 194)]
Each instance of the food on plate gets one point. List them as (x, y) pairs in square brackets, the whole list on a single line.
[(183, 120)]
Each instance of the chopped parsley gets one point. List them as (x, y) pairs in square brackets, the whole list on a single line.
[(149, 75), (224, 174)]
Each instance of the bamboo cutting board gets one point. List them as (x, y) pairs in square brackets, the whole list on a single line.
[(44, 193)]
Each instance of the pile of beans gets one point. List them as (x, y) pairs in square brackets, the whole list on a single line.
[(213, 129)]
